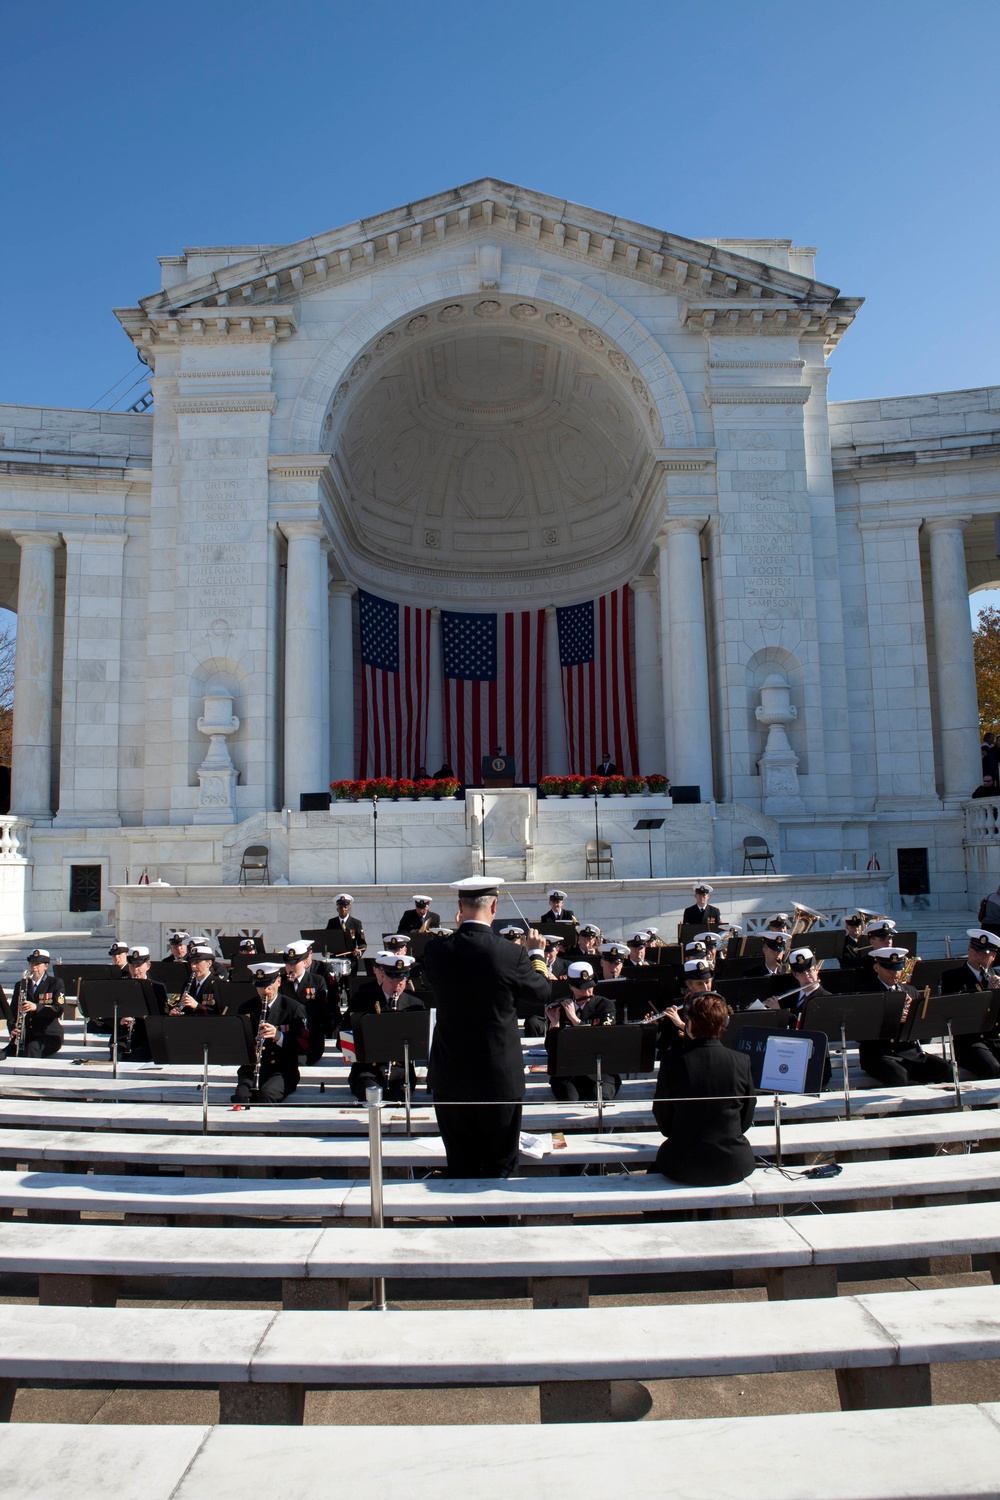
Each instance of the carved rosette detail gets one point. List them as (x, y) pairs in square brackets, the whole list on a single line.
[(591, 339), (488, 309), (451, 313), (559, 321), (522, 310)]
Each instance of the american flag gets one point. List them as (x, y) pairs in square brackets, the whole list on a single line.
[(395, 662), (595, 654), (493, 690)]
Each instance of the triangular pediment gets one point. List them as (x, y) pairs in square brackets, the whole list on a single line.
[(703, 272)]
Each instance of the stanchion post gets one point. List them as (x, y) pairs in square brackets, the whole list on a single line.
[(406, 1086), (373, 1098), (600, 1095), (114, 1042), (204, 1091), (777, 1145), (956, 1081), (843, 1070)]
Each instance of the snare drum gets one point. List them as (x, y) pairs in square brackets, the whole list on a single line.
[(339, 967)]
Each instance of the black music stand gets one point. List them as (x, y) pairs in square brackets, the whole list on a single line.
[(825, 944), (860, 1018), (634, 998), (741, 993), (185, 1040), (391, 1036), (951, 1016), (649, 826), (103, 999), (763, 1021), (753, 1041), (600, 1049), (230, 994)]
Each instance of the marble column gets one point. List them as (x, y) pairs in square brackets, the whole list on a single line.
[(958, 701), (324, 646), (31, 759), (342, 767), (648, 677), (305, 746), (686, 695), (556, 761), (434, 751)]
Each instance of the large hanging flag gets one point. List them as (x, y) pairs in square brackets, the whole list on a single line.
[(395, 666), (493, 690), (598, 682)]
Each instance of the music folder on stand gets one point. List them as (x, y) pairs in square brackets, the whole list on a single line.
[(390, 1037), (106, 999), (590, 1050), (228, 1041)]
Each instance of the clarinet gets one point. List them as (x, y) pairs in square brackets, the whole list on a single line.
[(21, 1024), (259, 1044)]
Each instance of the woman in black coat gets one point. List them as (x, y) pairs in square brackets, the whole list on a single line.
[(704, 1102)]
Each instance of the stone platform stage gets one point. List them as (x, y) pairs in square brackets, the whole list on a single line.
[(147, 913)]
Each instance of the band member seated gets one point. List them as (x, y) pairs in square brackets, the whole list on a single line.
[(880, 932), (177, 948), (582, 1007), (852, 956), (804, 967), (386, 992), (701, 912), (672, 1028), (896, 1063), (198, 997), (698, 948), (553, 950), (118, 954), (613, 956), (773, 946), (979, 1054), (557, 911), (282, 1032), (299, 983), (704, 1102), (419, 918), (138, 968), (636, 961), (588, 942), (36, 1010), (353, 941)]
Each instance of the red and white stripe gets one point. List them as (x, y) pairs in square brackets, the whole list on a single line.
[(394, 704), (599, 695), (508, 711)]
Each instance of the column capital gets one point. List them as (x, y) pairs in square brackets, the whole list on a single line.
[(341, 589), (945, 523), (679, 526), (296, 531), (645, 583), (98, 538), (49, 539)]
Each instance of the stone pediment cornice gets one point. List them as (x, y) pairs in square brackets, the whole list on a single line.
[(503, 211), (824, 318), (202, 325)]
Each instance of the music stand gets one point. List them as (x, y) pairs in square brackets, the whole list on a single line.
[(102, 999), (741, 993), (752, 1040), (383, 1038), (858, 1017), (951, 1016), (596, 1049), (230, 994), (634, 998), (825, 944), (229, 944), (649, 826), (226, 1040), (764, 1021)]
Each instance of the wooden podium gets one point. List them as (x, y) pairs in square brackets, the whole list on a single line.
[(498, 770)]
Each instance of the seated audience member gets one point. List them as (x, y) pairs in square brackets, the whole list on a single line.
[(704, 1102)]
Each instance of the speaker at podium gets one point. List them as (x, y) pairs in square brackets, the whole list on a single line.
[(498, 770)]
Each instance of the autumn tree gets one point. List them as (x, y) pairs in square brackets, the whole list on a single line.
[(986, 646)]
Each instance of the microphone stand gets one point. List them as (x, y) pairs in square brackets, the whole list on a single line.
[(597, 839), (375, 840)]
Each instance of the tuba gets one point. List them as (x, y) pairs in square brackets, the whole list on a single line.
[(805, 919)]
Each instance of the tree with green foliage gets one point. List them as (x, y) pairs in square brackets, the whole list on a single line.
[(986, 647)]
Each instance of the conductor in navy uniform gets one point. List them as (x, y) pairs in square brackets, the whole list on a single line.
[(478, 979)]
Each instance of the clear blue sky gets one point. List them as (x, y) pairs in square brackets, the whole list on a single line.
[(868, 129)]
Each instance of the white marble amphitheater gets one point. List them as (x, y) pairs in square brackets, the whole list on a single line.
[(486, 399)]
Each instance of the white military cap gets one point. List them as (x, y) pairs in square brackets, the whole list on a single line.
[(614, 950), (697, 949), (801, 958), (117, 947), (637, 939), (343, 897), (982, 940), (706, 938), (394, 963), (891, 958), (265, 974), (398, 939), (557, 895), (579, 972), (200, 950), (590, 931), (883, 924), (440, 931), (512, 930), (477, 885), (298, 949), (178, 937), (697, 966), (421, 900), (703, 889), (138, 954), (41, 956)]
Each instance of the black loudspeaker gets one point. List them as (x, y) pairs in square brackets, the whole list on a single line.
[(685, 794), (320, 801)]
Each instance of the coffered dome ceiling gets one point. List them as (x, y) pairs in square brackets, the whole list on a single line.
[(492, 445)]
